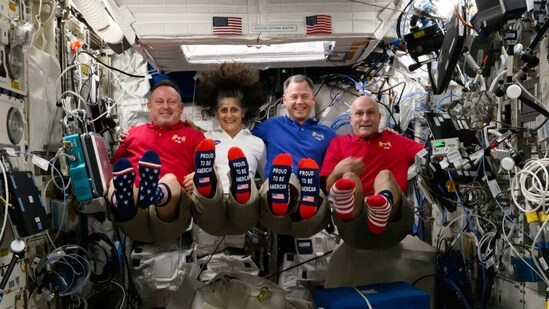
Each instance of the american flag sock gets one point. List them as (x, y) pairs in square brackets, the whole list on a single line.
[(309, 180), (167, 194), (122, 198), (149, 173), (379, 209), (204, 178), (342, 195), (240, 176), (279, 178)]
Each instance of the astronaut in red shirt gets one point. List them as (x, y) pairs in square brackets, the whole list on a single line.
[(366, 175), (152, 165)]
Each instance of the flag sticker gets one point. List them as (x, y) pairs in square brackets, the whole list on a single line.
[(227, 25), (278, 196), (319, 24)]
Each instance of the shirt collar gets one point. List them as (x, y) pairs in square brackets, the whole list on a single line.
[(356, 138), (242, 130), (180, 124), (309, 122)]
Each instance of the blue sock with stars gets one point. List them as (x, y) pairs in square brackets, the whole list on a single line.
[(149, 173), (122, 199)]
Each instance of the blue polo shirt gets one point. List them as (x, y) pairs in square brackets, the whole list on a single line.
[(282, 134)]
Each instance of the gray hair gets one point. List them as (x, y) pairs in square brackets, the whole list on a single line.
[(299, 79)]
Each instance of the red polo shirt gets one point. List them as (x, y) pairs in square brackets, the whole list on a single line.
[(175, 146), (382, 151)]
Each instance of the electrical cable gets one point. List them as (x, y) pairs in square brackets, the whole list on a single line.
[(540, 126), (6, 201), (439, 104), (107, 247), (533, 102), (52, 280), (299, 264), (123, 293), (424, 277), (113, 68), (534, 242), (130, 280), (406, 11), (539, 35), (340, 121), (210, 257), (458, 291), (535, 189), (506, 238), (475, 238)]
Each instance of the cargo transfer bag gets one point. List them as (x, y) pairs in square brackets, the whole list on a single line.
[(229, 290)]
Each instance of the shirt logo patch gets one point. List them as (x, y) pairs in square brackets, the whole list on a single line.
[(318, 136), (387, 145), (217, 142), (178, 139)]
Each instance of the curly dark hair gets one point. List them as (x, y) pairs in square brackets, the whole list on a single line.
[(231, 80)]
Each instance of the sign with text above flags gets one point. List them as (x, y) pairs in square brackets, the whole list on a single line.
[(274, 28)]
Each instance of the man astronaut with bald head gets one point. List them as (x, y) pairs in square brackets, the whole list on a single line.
[(366, 174)]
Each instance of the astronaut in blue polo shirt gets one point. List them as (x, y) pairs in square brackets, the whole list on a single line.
[(291, 198)]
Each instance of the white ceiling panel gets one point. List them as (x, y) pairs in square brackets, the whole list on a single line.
[(162, 27)]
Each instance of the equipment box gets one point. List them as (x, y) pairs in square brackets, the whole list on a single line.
[(390, 295)]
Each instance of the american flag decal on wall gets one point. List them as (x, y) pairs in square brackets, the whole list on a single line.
[(319, 24), (227, 25)]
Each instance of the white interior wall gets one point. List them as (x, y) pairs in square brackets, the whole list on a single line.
[(194, 17), (43, 114), (130, 93)]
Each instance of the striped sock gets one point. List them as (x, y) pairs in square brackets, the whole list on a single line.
[(149, 173), (279, 178), (342, 195), (204, 177), (379, 209), (122, 198), (309, 181), (240, 176)]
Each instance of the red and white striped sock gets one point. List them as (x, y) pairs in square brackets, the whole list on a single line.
[(342, 196), (379, 209)]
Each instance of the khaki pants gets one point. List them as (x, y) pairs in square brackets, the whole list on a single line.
[(356, 233), (285, 224), (223, 215), (146, 227)]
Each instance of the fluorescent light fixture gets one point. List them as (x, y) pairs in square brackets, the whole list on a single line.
[(287, 52)]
